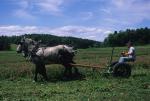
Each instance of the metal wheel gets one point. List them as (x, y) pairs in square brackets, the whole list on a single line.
[(122, 70)]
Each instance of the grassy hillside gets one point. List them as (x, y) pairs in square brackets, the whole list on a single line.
[(51, 40), (16, 75)]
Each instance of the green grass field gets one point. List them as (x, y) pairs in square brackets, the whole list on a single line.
[(16, 79)]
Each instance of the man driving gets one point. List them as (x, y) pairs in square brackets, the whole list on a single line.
[(125, 56), (128, 56)]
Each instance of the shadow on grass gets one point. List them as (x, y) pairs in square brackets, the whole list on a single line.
[(139, 75), (61, 77), (72, 77)]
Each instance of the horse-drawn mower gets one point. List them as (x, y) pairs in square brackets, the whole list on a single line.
[(115, 69), (63, 54)]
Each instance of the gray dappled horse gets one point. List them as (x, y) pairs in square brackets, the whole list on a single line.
[(24, 48), (40, 56)]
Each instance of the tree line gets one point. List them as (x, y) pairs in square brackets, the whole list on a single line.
[(136, 36), (4, 43), (118, 38), (49, 40)]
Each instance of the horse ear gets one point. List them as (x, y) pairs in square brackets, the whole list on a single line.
[(38, 42), (24, 37)]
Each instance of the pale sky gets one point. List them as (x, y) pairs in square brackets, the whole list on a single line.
[(90, 19)]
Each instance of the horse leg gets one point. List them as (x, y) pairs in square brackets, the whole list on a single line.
[(68, 70), (76, 71), (44, 72), (36, 72), (65, 71)]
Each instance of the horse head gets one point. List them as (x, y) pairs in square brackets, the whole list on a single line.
[(27, 46), (69, 51)]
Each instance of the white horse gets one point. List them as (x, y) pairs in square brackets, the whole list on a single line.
[(40, 56)]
